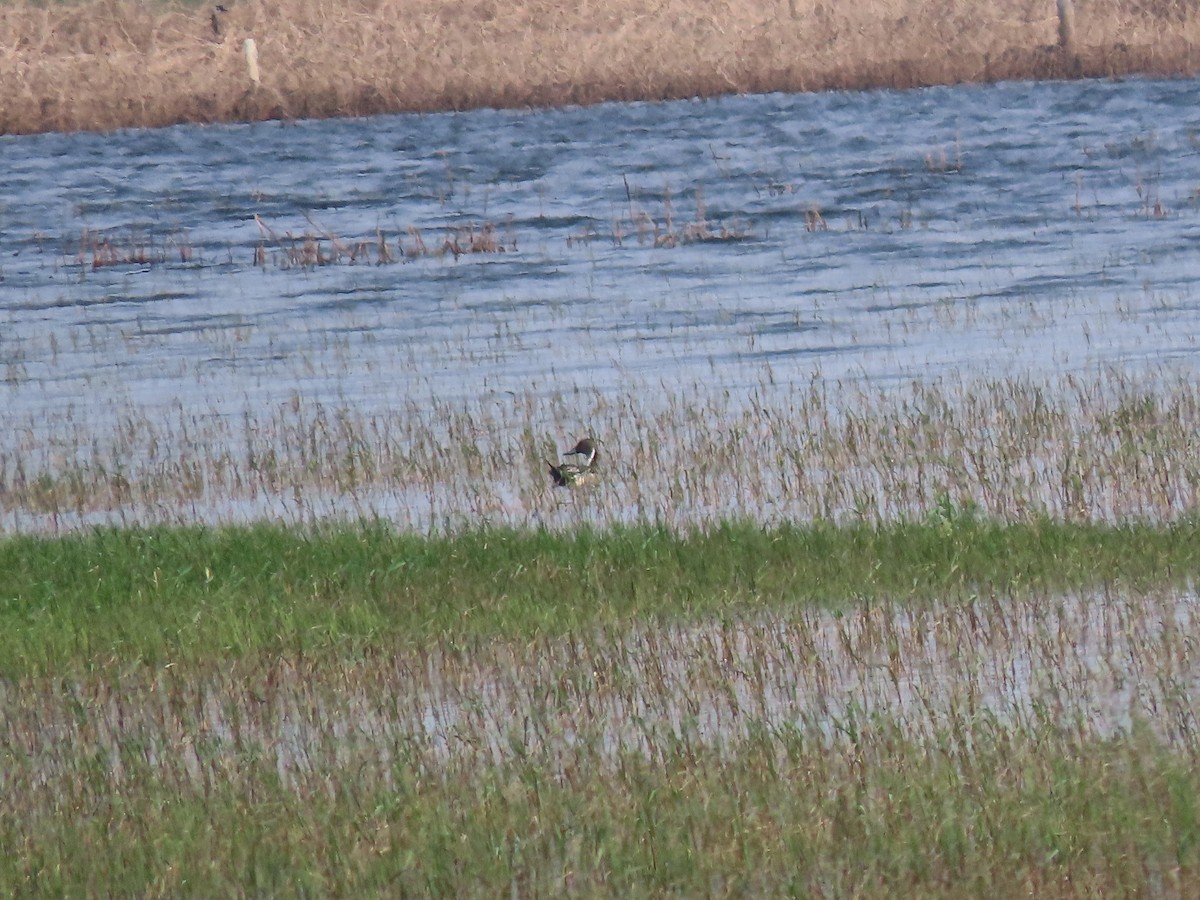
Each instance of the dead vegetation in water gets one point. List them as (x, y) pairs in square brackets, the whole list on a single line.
[(664, 230), (322, 247), (103, 64), (318, 245), (98, 249)]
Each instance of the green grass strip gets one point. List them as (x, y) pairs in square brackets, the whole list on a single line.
[(1003, 813), (172, 594)]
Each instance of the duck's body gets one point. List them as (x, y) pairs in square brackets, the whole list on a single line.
[(572, 473)]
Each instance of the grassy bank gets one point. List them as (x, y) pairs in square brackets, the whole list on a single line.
[(116, 597), (939, 707), (105, 64)]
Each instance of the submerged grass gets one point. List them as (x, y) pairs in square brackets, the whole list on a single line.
[(175, 594), (1111, 449), (942, 707)]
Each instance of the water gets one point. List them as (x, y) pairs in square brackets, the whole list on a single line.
[(1103, 665), (1013, 230), (882, 237)]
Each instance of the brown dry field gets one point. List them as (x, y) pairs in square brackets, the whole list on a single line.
[(103, 64)]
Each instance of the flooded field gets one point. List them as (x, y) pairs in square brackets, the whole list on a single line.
[(365, 316), (1097, 665), (955, 315)]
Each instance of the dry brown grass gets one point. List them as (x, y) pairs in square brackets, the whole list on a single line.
[(104, 64)]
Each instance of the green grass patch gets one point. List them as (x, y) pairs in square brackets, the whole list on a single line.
[(356, 711), (158, 595), (784, 813)]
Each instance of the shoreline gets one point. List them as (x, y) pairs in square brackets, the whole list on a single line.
[(102, 65)]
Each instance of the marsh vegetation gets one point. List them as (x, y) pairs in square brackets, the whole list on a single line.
[(888, 584), (824, 710), (106, 64)]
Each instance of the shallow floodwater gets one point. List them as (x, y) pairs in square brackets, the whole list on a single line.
[(1102, 665), (644, 251), (635, 250)]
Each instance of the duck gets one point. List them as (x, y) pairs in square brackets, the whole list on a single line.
[(567, 474)]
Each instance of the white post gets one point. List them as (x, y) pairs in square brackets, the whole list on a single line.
[(1066, 25), (251, 50)]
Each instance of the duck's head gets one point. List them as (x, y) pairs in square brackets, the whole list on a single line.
[(585, 447)]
